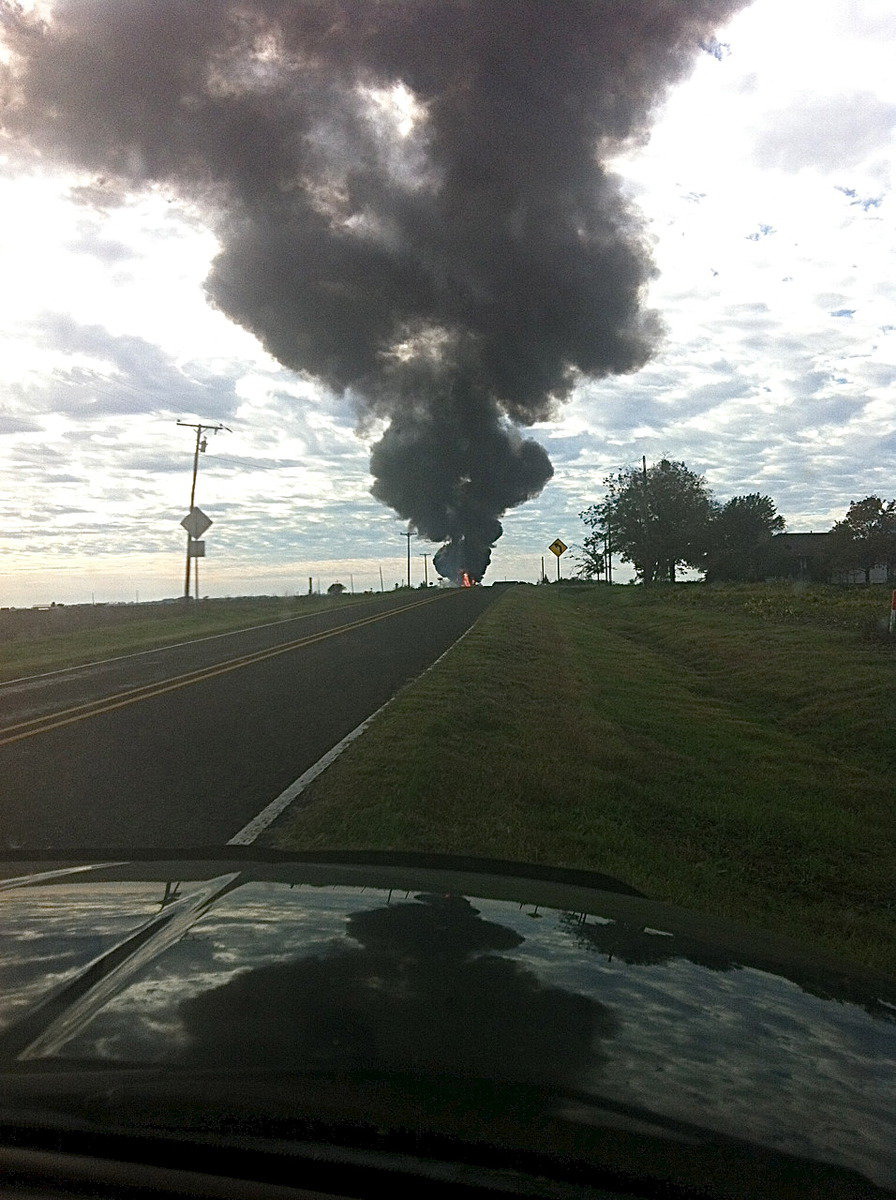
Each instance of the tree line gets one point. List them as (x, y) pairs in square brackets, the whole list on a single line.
[(664, 517)]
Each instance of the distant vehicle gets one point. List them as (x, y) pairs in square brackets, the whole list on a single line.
[(251, 1023)]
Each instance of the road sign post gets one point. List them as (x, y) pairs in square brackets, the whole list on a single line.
[(558, 547), (195, 523)]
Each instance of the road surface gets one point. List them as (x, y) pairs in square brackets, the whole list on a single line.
[(182, 747)]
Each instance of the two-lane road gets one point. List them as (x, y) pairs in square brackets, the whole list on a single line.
[(183, 746)]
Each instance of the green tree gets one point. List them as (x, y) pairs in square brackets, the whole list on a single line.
[(657, 520), (866, 537), (740, 535), (591, 558)]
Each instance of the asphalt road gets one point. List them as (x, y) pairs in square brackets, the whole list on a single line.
[(182, 747)]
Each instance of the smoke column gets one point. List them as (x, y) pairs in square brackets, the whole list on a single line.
[(410, 196)]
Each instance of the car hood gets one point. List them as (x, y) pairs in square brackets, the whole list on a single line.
[(465, 998)]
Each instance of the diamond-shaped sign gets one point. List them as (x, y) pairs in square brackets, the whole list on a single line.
[(196, 522), (557, 547)]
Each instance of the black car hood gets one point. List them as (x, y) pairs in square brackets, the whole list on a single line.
[(389, 984)]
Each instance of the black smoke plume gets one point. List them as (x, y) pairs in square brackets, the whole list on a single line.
[(410, 196)]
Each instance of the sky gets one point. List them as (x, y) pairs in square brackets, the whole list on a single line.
[(766, 187)]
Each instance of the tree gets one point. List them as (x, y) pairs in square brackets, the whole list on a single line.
[(866, 537), (335, 589), (657, 520), (591, 559), (740, 535)]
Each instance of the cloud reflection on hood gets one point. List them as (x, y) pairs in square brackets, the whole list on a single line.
[(425, 989)]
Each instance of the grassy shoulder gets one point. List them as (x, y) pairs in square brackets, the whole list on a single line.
[(31, 655), (741, 767)]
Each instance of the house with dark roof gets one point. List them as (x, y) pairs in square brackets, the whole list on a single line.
[(811, 557)]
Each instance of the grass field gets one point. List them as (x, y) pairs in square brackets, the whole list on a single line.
[(731, 750), (147, 628)]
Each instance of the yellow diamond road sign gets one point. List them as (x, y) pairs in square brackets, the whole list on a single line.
[(557, 547)]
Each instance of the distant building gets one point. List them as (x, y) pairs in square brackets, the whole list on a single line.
[(809, 557)]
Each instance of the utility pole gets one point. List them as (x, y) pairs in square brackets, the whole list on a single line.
[(425, 558), (201, 443), (409, 535), (352, 581), (382, 588), (648, 570)]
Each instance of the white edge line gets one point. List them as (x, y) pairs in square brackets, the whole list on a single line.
[(209, 637), (258, 824), (268, 815)]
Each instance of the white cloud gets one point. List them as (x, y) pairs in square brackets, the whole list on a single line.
[(827, 132)]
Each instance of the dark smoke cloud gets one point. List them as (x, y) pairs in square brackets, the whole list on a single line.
[(457, 276)]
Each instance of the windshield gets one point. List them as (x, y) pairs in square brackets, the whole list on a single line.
[(456, 427)]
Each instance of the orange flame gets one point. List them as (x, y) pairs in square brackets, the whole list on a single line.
[(466, 581)]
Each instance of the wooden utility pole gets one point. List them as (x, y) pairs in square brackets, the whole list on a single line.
[(201, 443), (648, 567)]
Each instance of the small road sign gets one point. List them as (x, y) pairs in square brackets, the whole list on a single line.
[(197, 549), (557, 547), (196, 522)]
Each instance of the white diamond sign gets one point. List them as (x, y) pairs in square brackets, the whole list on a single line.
[(196, 522)]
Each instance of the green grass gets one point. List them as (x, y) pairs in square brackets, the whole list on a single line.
[(736, 761), (47, 652)]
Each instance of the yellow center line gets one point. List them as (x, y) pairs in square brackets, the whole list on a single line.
[(93, 708), (201, 672), (163, 647)]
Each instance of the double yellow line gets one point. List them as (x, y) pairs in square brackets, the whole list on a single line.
[(93, 708)]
